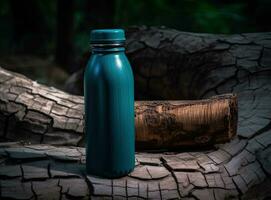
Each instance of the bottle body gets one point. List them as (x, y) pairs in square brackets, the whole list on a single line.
[(109, 114)]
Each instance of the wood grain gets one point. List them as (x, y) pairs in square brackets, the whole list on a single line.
[(173, 124), (38, 114)]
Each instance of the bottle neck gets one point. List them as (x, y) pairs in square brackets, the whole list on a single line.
[(107, 47)]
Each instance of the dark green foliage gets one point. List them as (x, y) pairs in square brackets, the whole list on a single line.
[(212, 16)]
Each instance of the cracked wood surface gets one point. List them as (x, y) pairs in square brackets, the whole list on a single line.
[(200, 65), (171, 64), (38, 114), (236, 170)]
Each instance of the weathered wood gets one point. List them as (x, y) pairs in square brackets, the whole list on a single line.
[(169, 124), (49, 176), (38, 114), (241, 65), (171, 64)]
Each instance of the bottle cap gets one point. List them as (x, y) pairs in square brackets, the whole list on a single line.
[(107, 35)]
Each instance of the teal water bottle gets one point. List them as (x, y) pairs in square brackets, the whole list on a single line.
[(109, 106)]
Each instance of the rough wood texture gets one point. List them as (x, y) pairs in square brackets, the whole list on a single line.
[(234, 171), (38, 114), (170, 64), (173, 124), (219, 64)]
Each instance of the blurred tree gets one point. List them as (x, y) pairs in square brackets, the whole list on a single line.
[(27, 18), (100, 13), (211, 16), (60, 29), (65, 34), (259, 14)]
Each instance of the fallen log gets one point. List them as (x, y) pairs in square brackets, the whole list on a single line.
[(172, 64), (169, 124), (38, 114)]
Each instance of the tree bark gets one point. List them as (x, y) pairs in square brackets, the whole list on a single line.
[(173, 124), (237, 170), (171, 64), (38, 114)]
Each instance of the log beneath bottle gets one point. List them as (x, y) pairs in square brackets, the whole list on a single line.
[(172, 124), (35, 113)]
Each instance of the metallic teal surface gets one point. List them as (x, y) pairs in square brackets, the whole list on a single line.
[(109, 113), (107, 35)]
